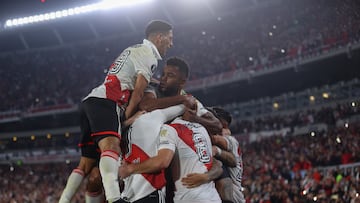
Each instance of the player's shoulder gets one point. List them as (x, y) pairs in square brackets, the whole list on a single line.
[(169, 129), (140, 49)]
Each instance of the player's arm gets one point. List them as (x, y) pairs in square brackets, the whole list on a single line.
[(196, 179), (150, 102), (132, 119), (228, 158), (136, 95), (220, 141), (208, 120), (221, 150), (152, 165)]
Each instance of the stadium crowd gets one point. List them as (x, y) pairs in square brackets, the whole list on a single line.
[(34, 183), (286, 169), (276, 169), (266, 36), (327, 115)]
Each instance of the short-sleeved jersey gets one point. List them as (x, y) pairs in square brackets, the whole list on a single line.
[(143, 143), (138, 59), (237, 171), (194, 155)]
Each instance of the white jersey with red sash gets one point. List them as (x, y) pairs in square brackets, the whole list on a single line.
[(143, 143), (120, 80), (193, 155)]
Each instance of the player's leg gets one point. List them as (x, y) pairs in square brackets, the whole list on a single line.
[(94, 188), (87, 160), (110, 149), (105, 126)]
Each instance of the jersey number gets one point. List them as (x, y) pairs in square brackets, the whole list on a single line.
[(119, 62)]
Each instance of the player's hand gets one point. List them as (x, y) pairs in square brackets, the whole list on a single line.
[(190, 102), (189, 115), (215, 139), (193, 180), (125, 170)]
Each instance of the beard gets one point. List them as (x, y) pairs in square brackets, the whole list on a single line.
[(169, 91)]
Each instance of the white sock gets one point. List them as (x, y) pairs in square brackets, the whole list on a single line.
[(109, 172), (94, 197), (72, 185)]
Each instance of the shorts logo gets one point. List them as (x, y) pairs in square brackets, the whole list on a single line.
[(119, 63)]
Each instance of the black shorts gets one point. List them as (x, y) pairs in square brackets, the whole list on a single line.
[(99, 118), (157, 196)]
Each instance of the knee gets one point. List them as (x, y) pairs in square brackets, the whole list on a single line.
[(110, 143), (86, 165)]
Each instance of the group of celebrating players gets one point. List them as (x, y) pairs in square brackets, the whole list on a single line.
[(146, 141)]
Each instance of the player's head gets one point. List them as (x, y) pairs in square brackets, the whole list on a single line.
[(223, 115), (160, 34), (174, 76)]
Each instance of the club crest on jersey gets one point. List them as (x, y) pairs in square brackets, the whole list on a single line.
[(119, 63), (163, 132)]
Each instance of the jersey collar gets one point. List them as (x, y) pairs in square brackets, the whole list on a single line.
[(153, 48)]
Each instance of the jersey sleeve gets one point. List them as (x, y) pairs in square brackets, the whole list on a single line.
[(168, 138), (145, 63)]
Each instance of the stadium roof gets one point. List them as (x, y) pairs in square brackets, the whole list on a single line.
[(21, 8)]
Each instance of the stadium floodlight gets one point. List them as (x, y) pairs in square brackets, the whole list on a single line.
[(105, 4), (110, 4)]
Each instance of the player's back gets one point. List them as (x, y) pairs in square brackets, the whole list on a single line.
[(193, 155), (122, 74)]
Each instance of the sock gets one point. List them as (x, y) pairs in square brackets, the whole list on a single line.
[(94, 197), (109, 172), (72, 185)]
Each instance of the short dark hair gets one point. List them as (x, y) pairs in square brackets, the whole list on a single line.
[(221, 113), (180, 64), (156, 26)]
